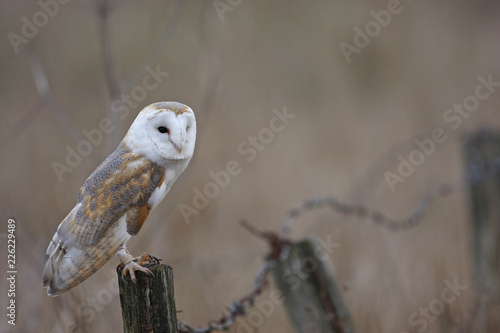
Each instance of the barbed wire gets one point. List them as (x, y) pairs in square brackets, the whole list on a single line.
[(280, 245), (238, 308), (370, 214)]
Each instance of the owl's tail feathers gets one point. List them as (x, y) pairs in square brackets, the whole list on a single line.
[(71, 262), (67, 267), (63, 270)]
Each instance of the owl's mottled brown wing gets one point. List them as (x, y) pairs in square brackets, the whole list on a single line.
[(124, 181), (112, 205)]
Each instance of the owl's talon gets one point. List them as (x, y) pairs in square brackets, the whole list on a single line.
[(131, 267), (122, 276)]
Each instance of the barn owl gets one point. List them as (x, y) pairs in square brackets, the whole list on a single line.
[(118, 196)]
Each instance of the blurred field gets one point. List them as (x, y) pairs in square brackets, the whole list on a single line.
[(352, 122)]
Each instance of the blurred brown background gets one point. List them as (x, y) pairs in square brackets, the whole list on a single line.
[(352, 122)]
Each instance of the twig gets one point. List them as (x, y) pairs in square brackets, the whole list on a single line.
[(276, 243), (42, 85), (158, 45), (103, 11)]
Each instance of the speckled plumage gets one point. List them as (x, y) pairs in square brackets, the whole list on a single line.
[(116, 199)]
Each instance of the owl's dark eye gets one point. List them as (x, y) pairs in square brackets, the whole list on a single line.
[(163, 129)]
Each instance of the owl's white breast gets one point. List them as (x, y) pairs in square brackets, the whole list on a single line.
[(158, 195), (172, 171)]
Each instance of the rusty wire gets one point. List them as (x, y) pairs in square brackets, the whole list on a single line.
[(279, 245)]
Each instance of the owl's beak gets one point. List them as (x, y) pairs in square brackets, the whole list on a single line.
[(178, 141), (178, 147)]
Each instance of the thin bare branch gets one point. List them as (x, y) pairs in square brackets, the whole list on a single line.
[(158, 45), (43, 87), (104, 9)]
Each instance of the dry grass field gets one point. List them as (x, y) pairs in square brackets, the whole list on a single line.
[(356, 101)]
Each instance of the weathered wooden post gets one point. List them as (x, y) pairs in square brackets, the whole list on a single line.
[(482, 154), (149, 305), (311, 295)]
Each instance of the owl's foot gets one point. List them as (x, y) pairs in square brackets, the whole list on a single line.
[(130, 265)]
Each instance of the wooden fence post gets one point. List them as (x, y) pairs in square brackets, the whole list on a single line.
[(149, 305), (482, 154), (311, 295)]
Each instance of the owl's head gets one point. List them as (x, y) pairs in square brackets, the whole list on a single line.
[(163, 131)]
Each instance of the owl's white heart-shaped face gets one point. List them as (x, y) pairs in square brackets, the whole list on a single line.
[(163, 132)]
